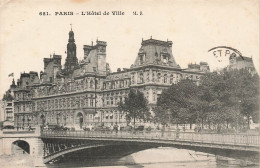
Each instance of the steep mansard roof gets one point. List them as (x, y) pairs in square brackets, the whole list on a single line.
[(153, 50)]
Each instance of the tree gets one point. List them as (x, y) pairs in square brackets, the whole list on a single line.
[(229, 95), (222, 99), (180, 102), (248, 93), (136, 106)]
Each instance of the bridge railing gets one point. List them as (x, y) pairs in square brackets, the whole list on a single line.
[(232, 139)]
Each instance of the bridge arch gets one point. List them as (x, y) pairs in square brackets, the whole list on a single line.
[(60, 153), (20, 147)]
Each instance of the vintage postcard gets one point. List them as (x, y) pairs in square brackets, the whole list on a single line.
[(117, 83)]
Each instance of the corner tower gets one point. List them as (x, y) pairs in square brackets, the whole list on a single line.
[(71, 61)]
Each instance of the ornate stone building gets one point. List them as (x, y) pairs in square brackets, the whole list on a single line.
[(8, 106), (86, 92), (241, 63)]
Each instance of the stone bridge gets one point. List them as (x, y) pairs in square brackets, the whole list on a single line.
[(58, 143), (47, 145)]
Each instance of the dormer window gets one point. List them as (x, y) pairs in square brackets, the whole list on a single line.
[(141, 58), (165, 59)]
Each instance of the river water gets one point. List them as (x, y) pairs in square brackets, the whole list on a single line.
[(166, 157)]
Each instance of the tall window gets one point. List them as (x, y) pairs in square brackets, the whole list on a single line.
[(86, 101), (147, 76), (153, 76), (141, 78), (112, 101), (159, 77), (107, 101), (113, 85), (171, 79), (91, 83), (91, 102), (165, 80), (154, 96), (86, 84), (165, 59), (133, 79), (141, 58)]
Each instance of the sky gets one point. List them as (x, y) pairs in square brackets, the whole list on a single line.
[(194, 27)]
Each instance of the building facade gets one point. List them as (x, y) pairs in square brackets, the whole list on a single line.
[(242, 62), (8, 106), (86, 92)]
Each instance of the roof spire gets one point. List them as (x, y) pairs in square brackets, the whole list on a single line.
[(151, 37), (71, 27)]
